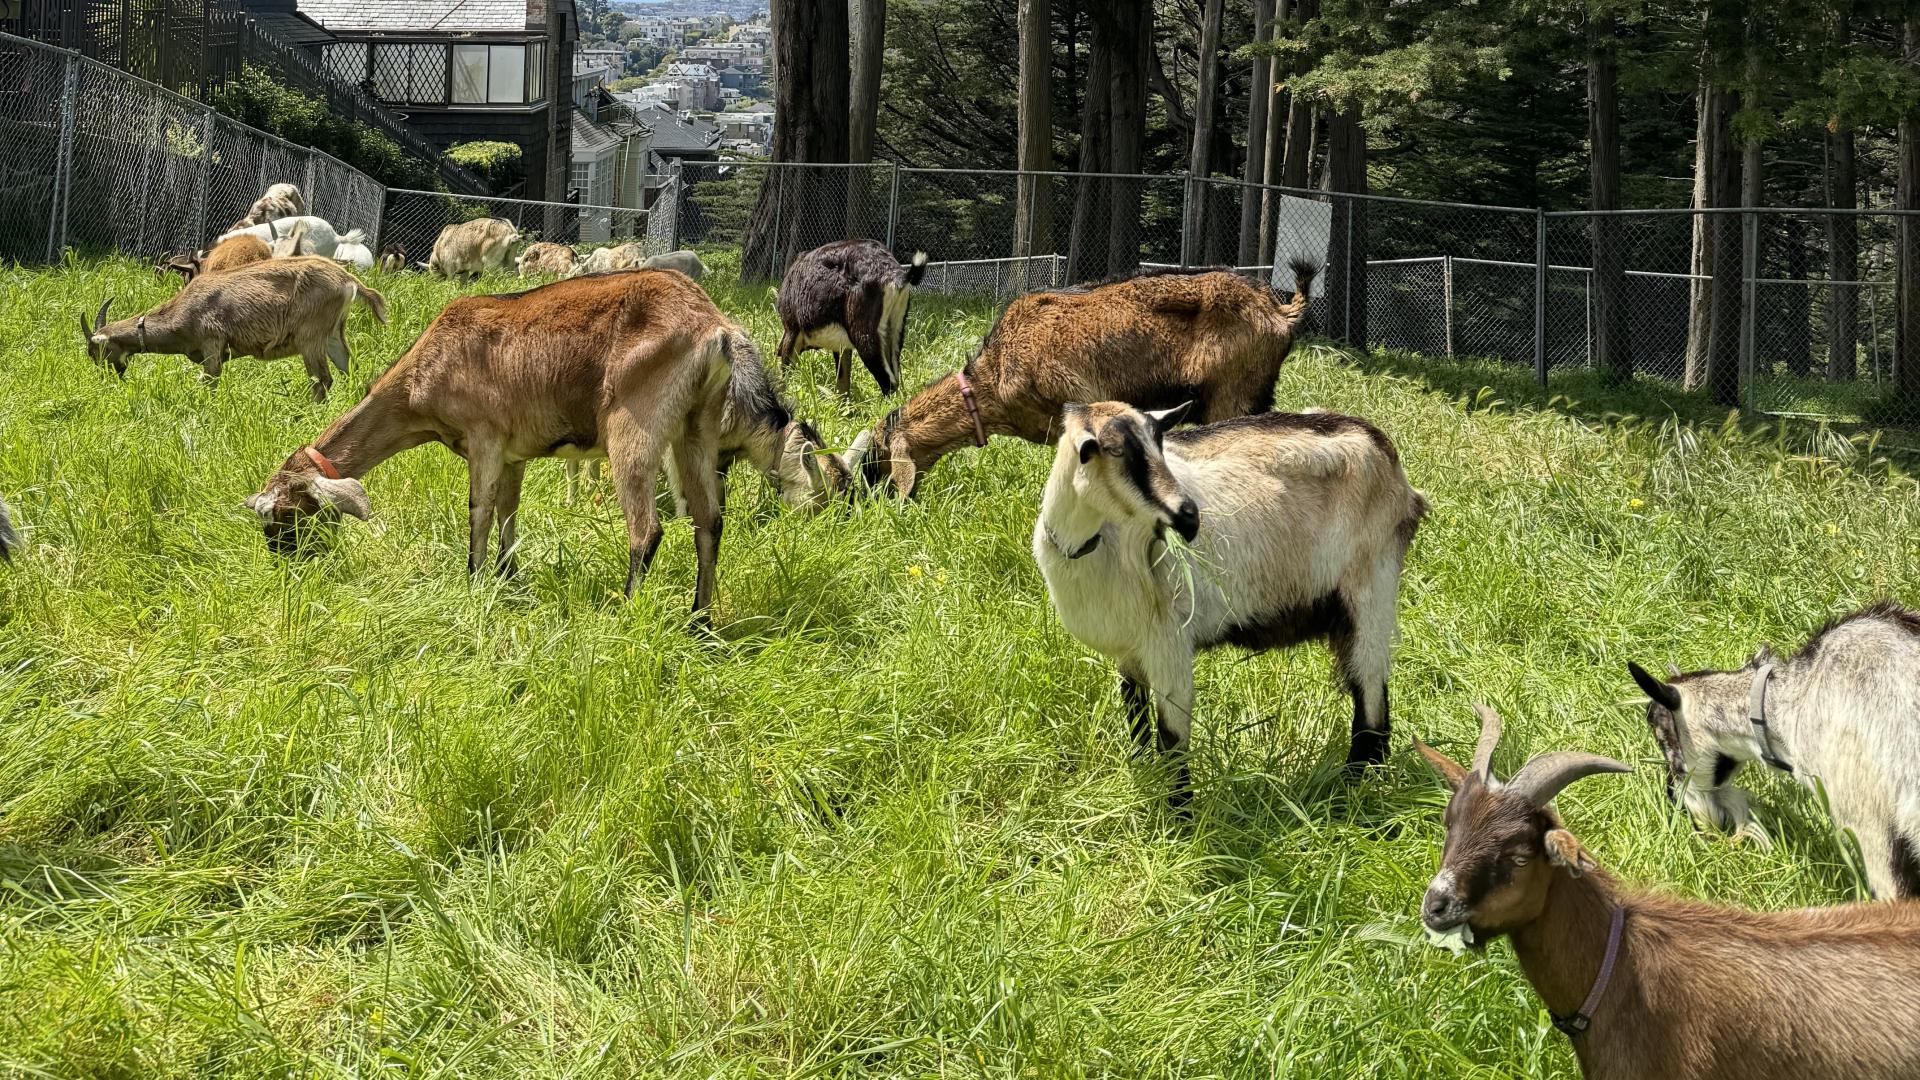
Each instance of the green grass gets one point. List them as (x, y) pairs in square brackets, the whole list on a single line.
[(354, 814)]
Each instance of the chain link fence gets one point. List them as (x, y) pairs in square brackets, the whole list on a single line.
[(414, 219), (98, 161)]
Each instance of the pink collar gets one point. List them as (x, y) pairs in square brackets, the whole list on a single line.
[(326, 467), (973, 410)]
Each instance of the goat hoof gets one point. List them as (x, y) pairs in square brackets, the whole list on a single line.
[(1368, 748)]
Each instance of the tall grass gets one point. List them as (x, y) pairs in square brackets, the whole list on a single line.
[(356, 814)]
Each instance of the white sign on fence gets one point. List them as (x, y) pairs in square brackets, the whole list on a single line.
[(1302, 231)]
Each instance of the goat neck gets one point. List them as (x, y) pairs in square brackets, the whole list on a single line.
[(382, 425), (1072, 521), (1561, 950)]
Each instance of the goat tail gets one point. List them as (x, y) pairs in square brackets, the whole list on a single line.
[(374, 301), (1416, 513), (916, 270), (1303, 274), (353, 236)]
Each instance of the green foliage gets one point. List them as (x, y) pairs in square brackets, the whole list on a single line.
[(500, 163), (255, 97), (356, 813)]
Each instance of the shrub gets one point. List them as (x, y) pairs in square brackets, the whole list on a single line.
[(257, 98)]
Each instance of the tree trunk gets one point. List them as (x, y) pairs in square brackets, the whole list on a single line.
[(1033, 208), (1259, 97), (1087, 241), (1289, 146), (1347, 247), (1130, 41), (1722, 373), (811, 113), (1707, 103), (868, 33), (1906, 341), (1843, 259), (1612, 353), (1200, 157), (1794, 340)]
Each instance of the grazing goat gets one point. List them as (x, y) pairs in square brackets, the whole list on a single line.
[(355, 254), (235, 253), (1647, 985), (686, 261), (297, 236), (1843, 711), (603, 260), (1295, 528), (472, 248), (9, 540), (280, 201), (281, 307), (545, 258), (845, 297), (1153, 340), (627, 366), (393, 258)]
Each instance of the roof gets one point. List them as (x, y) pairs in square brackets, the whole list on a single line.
[(589, 138), (441, 16), (672, 131), (293, 29)]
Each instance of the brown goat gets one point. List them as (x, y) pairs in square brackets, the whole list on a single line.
[(637, 366), (1154, 341), (232, 254), (281, 307), (1695, 991)]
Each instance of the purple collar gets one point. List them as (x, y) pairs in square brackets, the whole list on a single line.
[(1579, 1022)]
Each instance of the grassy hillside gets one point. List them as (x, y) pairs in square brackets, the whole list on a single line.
[(354, 813)]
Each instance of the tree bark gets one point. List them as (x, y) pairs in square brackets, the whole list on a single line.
[(1906, 341), (1347, 247), (1289, 146), (868, 34), (1130, 43), (1700, 263), (1200, 157), (1722, 372), (1612, 352), (1087, 240), (811, 114), (1843, 259), (1033, 210), (1259, 97)]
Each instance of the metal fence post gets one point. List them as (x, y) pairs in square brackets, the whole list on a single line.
[(1749, 270), (1186, 219), (63, 158), (1446, 298), (893, 203), (1540, 296)]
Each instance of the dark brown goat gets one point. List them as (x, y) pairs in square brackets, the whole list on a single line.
[(1154, 341), (849, 296), (637, 366), (1695, 991)]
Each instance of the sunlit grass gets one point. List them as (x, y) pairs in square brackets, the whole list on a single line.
[(356, 813)]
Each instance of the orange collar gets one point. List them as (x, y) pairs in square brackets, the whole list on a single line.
[(973, 410), (326, 467)]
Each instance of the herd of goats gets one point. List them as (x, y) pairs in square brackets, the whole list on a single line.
[(1181, 513)]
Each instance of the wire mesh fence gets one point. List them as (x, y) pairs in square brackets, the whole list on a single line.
[(414, 220), (98, 161)]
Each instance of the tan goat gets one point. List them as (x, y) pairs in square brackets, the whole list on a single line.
[(279, 201), (636, 367), (1655, 986), (471, 248), (237, 252), (1154, 341), (281, 307), (545, 258)]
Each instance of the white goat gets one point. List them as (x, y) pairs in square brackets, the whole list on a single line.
[(686, 261), (355, 254), (1295, 525), (1844, 712), (471, 248), (318, 237)]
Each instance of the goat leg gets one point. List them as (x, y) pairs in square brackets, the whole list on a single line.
[(697, 474), (1171, 676), (507, 510), (1135, 697), (843, 374), (484, 469), (317, 372)]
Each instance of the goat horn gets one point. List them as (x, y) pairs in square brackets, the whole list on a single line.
[(857, 453), (1545, 776), (100, 320), (1489, 738)]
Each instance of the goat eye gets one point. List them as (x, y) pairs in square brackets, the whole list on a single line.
[(1517, 860)]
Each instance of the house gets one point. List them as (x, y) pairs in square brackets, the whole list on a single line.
[(725, 53), (677, 136), (609, 59), (699, 85), (461, 70), (656, 31)]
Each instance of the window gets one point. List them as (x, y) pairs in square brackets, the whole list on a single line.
[(410, 73), (494, 75), (346, 61)]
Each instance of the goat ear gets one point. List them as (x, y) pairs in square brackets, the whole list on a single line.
[(1566, 853), (1089, 446), (345, 495), (1450, 770), (1166, 418), (262, 503), (905, 473), (1660, 692)]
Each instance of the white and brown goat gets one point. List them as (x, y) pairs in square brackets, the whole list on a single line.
[(850, 296), (279, 201), (1154, 340), (1648, 985), (638, 367), (1294, 528), (1843, 713), (271, 309), (545, 258), (290, 236)]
